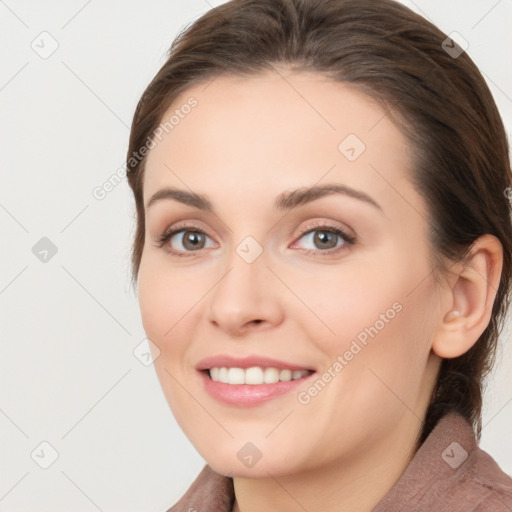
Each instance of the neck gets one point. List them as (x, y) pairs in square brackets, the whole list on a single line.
[(355, 485)]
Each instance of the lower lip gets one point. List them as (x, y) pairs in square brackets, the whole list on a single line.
[(248, 395)]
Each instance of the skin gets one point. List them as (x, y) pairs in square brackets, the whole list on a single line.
[(247, 141)]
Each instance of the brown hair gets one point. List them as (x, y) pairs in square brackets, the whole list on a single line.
[(439, 100)]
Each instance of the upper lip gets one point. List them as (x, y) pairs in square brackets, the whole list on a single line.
[(221, 360)]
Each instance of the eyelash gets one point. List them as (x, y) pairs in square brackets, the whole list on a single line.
[(347, 239)]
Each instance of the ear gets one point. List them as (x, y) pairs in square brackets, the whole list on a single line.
[(471, 293)]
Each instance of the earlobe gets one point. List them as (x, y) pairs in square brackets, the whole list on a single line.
[(472, 297)]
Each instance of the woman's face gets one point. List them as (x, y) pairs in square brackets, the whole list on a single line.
[(261, 279)]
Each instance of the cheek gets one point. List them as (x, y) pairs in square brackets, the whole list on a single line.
[(383, 359), (392, 362), (166, 300), (375, 312), (344, 301)]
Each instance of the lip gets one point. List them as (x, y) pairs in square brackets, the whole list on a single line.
[(247, 362), (248, 395)]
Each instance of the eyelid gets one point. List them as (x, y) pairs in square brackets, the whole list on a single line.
[(318, 224)]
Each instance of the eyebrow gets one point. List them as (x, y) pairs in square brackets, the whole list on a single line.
[(284, 202)]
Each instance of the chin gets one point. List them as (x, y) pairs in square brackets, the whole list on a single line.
[(244, 460), (261, 469)]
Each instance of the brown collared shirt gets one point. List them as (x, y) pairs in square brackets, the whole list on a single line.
[(449, 473)]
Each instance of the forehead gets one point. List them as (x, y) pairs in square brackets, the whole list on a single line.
[(283, 129)]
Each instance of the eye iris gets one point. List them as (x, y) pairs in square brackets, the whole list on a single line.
[(321, 237), (192, 237)]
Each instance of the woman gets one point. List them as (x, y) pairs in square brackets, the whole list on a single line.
[(323, 257)]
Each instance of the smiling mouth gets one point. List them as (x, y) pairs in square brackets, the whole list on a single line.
[(256, 375)]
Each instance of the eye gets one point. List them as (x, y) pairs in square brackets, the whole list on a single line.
[(326, 239), (188, 239)]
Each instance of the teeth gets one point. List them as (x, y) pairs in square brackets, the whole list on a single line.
[(236, 376), (271, 375), (255, 375), (214, 374), (285, 375)]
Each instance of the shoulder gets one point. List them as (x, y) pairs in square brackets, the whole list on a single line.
[(485, 479), (450, 473)]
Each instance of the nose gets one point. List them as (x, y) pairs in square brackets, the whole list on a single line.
[(246, 298)]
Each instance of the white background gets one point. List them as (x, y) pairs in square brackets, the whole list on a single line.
[(68, 375)]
